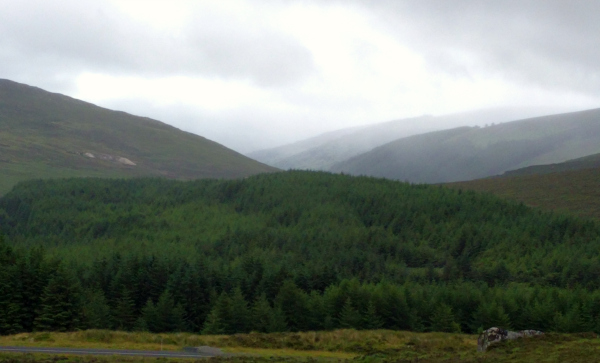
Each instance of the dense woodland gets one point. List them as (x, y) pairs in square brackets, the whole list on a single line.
[(292, 251)]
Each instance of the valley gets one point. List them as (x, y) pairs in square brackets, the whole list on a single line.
[(170, 233)]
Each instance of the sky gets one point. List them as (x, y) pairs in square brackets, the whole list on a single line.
[(255, 74)]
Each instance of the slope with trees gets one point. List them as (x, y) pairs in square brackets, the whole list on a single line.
[(292, 251)]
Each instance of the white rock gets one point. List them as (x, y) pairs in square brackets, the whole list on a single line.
[(125, 161)]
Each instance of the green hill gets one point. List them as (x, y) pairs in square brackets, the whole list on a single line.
[(586, 162), (572, 191), (291, 251), (472, 152), (44, 135)]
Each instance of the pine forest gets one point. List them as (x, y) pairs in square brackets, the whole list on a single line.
[(290, 251)]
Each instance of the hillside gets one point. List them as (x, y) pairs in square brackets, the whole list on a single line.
[(324, 151), (291, 251), (321, 152), (572, 191), (586, 162), (44, 134), (468, 153)]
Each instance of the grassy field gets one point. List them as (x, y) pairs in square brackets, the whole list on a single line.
[(341, 345), (573, 192)]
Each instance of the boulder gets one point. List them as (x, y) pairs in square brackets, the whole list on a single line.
[(495, 335)]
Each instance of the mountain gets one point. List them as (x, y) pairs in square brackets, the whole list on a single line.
[(324, 151), (45, 134), (468, 153)]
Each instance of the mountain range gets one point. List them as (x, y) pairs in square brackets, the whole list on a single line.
[(45, 134), (468, 153), (324, 151)]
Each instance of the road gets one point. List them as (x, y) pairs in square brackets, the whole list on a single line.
[(79, 351)]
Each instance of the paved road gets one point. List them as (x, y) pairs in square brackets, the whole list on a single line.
[(79, 351)]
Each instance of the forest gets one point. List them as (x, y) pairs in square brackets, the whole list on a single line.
[(291, 251)]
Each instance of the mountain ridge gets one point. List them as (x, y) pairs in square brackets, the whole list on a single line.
[(478, 152), (325, 150)]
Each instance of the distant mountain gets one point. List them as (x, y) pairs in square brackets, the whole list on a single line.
[(45, 134), (468, 153), (324, 151)]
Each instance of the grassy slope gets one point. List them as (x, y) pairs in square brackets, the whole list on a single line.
[(574, 191), (470, 152), (586, 162), (341, 345), (45, 135)]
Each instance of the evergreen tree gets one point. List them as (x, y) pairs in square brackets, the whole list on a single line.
[(60, 308), (124, 312), (240, 313), (293, 302), (30, 277), (372, 320), (190, 288), (349, 317), (219, 318), (96, 312), (490, 314), (214, 323), (277, 322), (6, 261), (261, 314), (149, 321), (169, 317), (443, 320)]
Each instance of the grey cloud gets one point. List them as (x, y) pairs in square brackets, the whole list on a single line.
[(92, 36), (548, 43)]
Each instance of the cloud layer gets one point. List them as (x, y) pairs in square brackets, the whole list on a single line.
[(254, 74)]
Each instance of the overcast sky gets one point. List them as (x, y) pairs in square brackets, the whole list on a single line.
[(255, 74)]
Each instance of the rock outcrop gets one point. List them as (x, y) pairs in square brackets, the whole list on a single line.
[(495, 335)]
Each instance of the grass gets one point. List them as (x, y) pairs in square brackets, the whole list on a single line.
[(573, 192), (340, 345)]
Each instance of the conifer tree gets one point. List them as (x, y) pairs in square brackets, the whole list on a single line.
[(219, 318), (60, 308), (169, 317), (490, 314), (443, 320), (6, 261), (261, 314), (277, 322), (149, 321), (4, 300), (292, 301), (349, 317), (372, 320), (124, 311), (96, 312), (214, 323), (239, 317)]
